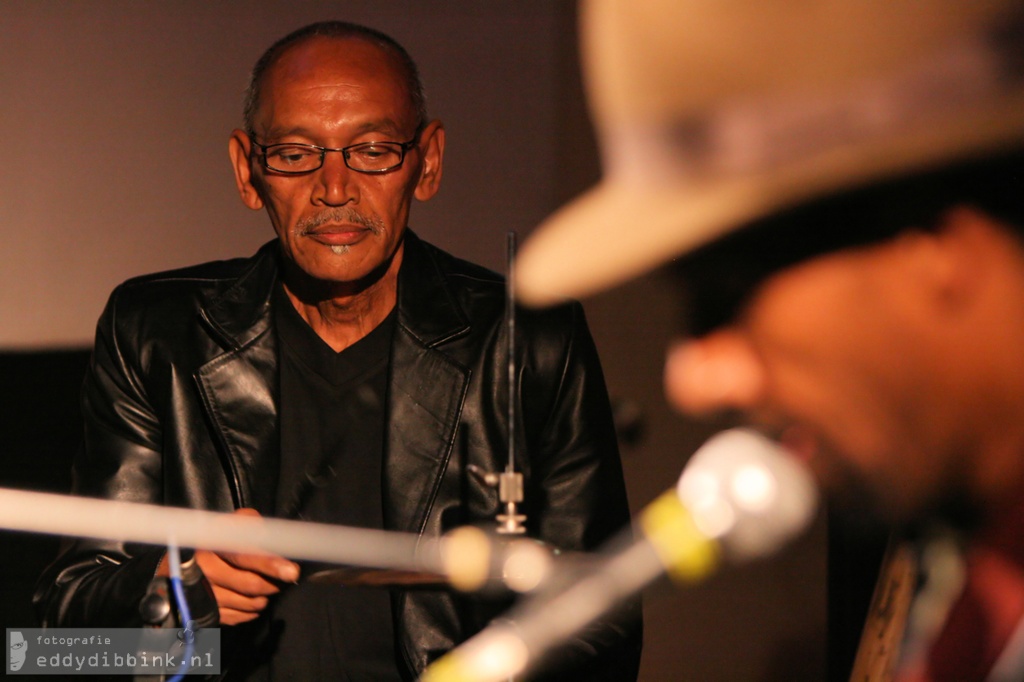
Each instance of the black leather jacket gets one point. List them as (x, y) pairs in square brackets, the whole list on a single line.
[(180, 409)]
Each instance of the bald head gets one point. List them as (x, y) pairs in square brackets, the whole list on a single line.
[(341, 31)]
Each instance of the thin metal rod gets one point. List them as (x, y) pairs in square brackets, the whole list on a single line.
[(510, 327)]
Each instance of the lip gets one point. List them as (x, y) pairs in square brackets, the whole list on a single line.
[(338, 235)]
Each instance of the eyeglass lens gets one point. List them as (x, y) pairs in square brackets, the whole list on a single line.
[(300, 158)]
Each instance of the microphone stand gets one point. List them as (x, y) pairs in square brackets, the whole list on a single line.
[(510, 483)]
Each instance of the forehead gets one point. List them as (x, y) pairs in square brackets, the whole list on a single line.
[(342, 69), (718, 279)]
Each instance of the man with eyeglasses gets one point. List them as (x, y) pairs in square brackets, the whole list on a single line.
[(347, 373)]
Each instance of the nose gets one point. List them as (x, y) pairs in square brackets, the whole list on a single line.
[(716, 372), (336, 182)]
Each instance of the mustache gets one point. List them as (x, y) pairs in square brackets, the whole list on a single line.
[(338, 215)]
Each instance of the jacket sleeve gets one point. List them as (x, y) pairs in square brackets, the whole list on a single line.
[(577, 482), (94, 583)]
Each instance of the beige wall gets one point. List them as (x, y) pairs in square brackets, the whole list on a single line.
[(114, 120), (116, 116)]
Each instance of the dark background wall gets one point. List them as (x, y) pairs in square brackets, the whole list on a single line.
[(114, 124), (39, 430)]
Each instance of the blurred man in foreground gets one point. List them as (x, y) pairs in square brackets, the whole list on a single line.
[(840, 187)]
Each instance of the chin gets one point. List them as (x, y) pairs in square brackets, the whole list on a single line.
[(331, 268)]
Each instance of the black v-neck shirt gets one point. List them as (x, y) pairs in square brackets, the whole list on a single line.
[(332, 422), (332, 440)]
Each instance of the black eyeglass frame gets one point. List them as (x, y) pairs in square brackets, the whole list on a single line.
[(346, 152)]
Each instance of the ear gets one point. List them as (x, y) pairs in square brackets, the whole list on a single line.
[(955, 259), (240, 149), (432, 148)]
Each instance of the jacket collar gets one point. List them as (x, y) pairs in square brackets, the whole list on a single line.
[(426, 307), (241, 313)]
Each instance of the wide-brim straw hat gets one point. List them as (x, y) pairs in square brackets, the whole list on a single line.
[(713, 113)]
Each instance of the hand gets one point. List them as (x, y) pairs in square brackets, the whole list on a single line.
[(241, 582)]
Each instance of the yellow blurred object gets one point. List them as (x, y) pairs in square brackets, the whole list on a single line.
[(688, 555)]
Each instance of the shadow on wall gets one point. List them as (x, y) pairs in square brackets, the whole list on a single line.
[(40, 426)]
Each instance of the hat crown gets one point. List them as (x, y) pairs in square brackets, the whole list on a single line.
[(652, 59)]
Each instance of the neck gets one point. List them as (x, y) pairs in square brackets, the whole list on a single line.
[(342, 313)]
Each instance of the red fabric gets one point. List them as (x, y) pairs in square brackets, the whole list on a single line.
[(988, 611)]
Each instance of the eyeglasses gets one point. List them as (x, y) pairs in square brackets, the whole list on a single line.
[(292, 158)]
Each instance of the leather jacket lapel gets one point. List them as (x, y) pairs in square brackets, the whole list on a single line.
[(424, 404), (239, 387), (426, 392)]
